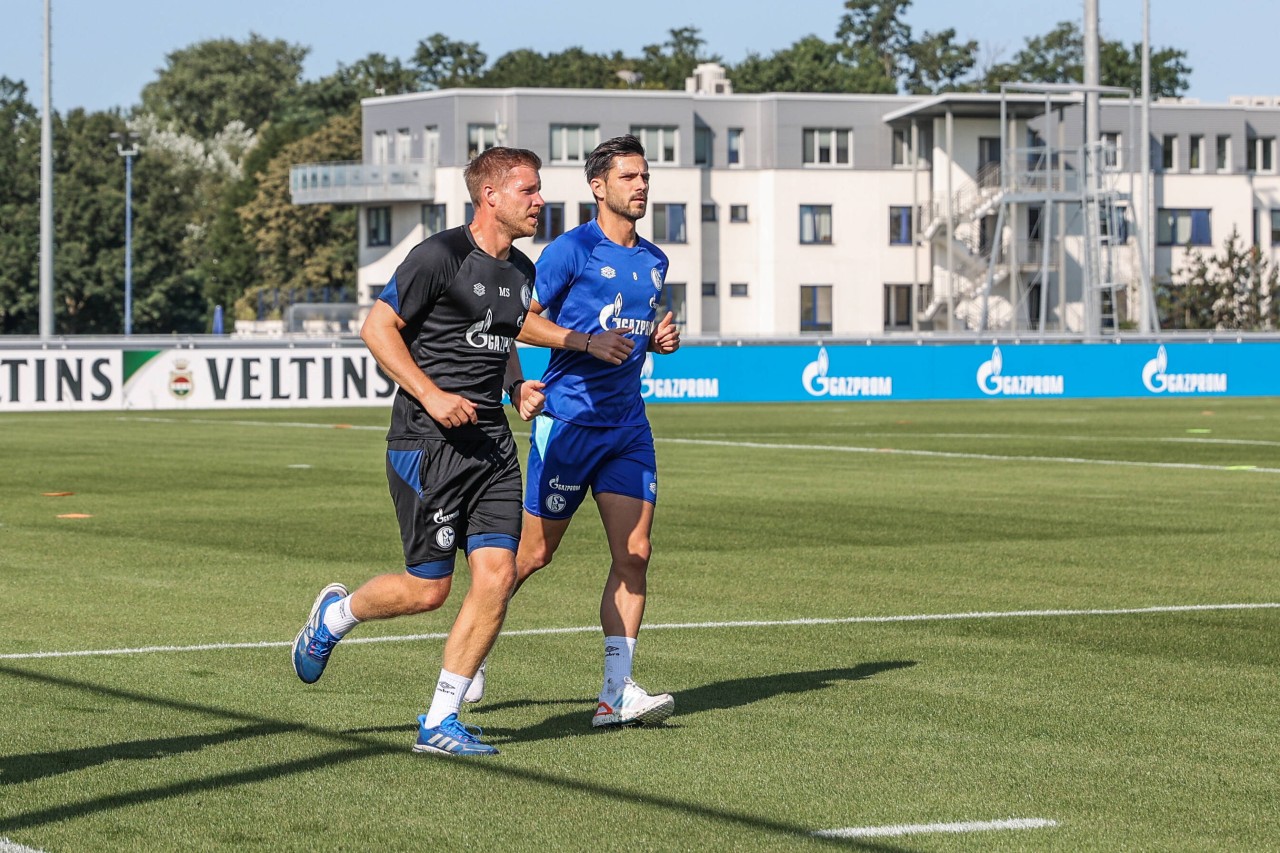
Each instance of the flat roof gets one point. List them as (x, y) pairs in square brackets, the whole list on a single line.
[(985, 105)]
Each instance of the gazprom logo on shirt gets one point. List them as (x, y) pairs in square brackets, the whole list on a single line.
[(1159, 382), (819, 384), (993, 383), (705, 388), (611, 318), (478, 336)]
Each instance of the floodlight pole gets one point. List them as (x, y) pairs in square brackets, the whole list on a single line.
[(128, 154), (46, 188)]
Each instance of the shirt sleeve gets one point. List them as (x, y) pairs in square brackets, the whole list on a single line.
[(417, 283), (557, 267)]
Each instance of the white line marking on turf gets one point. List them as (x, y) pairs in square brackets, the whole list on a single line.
[(825, 448), (944, 454), (673, 626), (923, 828), (7, 846)]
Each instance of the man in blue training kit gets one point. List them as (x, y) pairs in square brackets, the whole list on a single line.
[(444, 329), (593, 432)]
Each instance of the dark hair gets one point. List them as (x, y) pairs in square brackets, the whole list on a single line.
[(489, 167), (600, 160)]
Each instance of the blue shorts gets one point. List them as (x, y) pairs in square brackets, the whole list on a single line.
[(566, 459)]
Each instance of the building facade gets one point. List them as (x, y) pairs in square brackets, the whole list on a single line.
[(844, 216)]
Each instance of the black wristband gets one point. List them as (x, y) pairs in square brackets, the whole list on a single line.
[(511, 391), (587, 348)]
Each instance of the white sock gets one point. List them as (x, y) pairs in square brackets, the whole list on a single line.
[(448, 697), (338, 618), (618, 652)]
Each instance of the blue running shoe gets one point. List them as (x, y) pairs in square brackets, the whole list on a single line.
[(451, 737), (313, 644)]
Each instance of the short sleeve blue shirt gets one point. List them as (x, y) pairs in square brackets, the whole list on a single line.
[(590, 284)]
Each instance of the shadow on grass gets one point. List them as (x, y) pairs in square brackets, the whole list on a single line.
[(709, 697), (355, 747)]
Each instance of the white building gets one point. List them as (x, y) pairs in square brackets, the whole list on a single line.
[(843, 215)]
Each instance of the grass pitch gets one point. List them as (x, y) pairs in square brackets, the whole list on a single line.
[(792, 544)]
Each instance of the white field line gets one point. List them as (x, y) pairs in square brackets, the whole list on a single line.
[(7, 846), (675, 626), (924, 828), (825, 448)]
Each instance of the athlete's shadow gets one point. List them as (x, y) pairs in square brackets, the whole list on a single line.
[(16, 769), (709, 697)]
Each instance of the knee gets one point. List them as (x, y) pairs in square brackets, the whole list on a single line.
[(532, 558), (429, 596), (635, 561)]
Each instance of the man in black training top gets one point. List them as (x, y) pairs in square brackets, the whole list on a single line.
[(444, 329)]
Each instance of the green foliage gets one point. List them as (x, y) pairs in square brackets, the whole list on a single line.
[(19, 210), (1238, 289), (937, 63), (809, 65), (573, 68), (443, 63), (875, 40), (210, 84), (666, 65), (301, 246), (1058, 57)]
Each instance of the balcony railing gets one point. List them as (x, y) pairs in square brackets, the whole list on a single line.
[(354, 183)]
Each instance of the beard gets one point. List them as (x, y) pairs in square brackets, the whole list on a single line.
[(626, 208)]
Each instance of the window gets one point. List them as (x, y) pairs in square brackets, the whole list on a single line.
[(431, 144), (380, 147), (403, 140), (1111, 151), (815, 223), (708, 288), (815, 307), (1182, 227), (659, 143), (900, 226), (433, 221), (708, 211), (571, 143), (902, 153), (668, 223), (737, 213), (1275, 229), (1195, 151), (826, 146), (1168, 152), (586, 212), (673, 299), (1261, 154), (897, 307), (738, 289), (702, 146), (735, 146), (480, 137), (1223, 155), (469, 212), (550, 223), (378, 220), (1113, 224)]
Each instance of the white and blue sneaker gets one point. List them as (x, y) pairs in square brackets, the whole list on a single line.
[(633, 706), (451, 737), (314, 643), (475, 690)]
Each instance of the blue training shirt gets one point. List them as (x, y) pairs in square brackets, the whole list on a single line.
[(588, 283)]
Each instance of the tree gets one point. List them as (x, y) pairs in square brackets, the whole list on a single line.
[(573, 68), (667, 65), (299, 247), (316, 101), (442, 63), (936, 63), (809, 65), (1238, 289), (208, 85), (19, 210), (875, 40), (1058, 57)]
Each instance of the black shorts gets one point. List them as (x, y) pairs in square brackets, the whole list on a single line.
[(451, 494)]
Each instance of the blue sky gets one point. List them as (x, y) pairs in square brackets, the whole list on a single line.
[(105, 52)]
